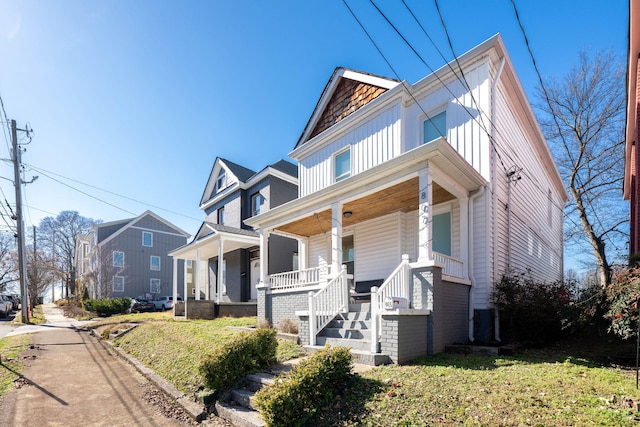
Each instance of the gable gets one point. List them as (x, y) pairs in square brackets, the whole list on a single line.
[(349, 97), (232, 172)]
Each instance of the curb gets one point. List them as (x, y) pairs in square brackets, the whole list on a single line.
[(196, 411)]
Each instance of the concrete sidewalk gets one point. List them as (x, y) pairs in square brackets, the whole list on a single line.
[(69, 379)]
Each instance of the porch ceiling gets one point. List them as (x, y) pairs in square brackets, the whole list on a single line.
[(401, 197)]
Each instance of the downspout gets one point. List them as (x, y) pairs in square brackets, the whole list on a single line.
[(494, 85), (472, 289)]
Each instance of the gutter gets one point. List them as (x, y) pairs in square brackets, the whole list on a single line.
[(472, 288)]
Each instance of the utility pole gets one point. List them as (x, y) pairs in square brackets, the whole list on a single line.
[(17, 183)]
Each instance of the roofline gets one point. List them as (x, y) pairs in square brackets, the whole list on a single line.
[(138, 218), (268, 170), (328, 90)]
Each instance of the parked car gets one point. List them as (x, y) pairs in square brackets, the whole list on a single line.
[(11, 305), (5, 307), (140, 305), (165, 302)]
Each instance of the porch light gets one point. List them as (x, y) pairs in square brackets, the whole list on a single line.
[(347, 214)]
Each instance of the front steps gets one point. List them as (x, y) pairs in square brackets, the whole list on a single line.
[(352, 329), (236, 406)]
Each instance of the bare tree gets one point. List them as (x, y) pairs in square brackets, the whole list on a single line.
[(99, 277), (40, 274), (58, 236), (8, 261), (583, 118)]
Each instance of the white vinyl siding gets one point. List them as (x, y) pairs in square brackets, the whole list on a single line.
[(372, 143)]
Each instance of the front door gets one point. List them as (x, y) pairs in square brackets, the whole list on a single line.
[(348, 256), (255, 278)]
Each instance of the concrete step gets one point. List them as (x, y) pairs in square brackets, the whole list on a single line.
[(255, 382), (242, 397), (239, 416), (362, 307), (363, 357), (355, 316), (348, 333), (355, 344), (349, 324)]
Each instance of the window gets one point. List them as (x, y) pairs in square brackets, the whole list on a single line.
[(154, 287), (343, 165), (221, 216), (155, 263), (441, 228), (118, 259), (256, 203), (86, 249), (221, 182), (189, 263), (435, 127), (118, 284), (147, 238)]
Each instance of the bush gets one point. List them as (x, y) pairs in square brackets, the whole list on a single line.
[(108, 306), (288, 326), (532, 312), (623, 295), (306, 388), (246, 353)]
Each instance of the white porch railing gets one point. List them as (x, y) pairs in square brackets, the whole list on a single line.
[(327, 303), (300, 278), (396, 285), (452, 266)]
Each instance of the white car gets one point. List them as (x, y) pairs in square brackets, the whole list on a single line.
[(165, 302)]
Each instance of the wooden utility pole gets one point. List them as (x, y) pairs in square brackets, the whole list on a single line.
[(17, 183)]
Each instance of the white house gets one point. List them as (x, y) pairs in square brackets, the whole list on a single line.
[(428, 191)]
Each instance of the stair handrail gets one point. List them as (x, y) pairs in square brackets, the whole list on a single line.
[(396, 285), (327, 303)]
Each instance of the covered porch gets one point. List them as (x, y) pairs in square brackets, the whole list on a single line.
[(210, 270)]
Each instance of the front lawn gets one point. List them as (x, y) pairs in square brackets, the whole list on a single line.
[(11, 348), (528, 390), (174, 349)]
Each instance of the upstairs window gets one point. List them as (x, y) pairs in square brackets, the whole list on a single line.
[(221, 182), (147, 239), (221, 216), (343, 165), (435, 127), (155, 263), (256, 203), (118, 259), (86, 248)]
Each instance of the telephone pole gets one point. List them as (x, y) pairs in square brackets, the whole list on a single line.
[(17, 182)]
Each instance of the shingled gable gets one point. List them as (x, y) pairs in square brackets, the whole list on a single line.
[(346, 92)]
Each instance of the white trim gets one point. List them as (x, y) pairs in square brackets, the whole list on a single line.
[(143, 239), (334, 159), (113, 259), (151, 257), (151, 230), (151, 281), (113, 284)]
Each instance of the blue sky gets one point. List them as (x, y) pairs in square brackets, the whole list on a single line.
[(139, 97)]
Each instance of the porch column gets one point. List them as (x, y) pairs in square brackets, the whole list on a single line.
[(175, 279), (221, 279), (336, 238), (185, 282), (425, 251), (464, 234), (264, 256), (196, 275), (303, 247)]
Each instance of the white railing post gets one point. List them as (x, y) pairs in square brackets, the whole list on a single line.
[(312, 320), (345, 288), (374, 319), (406, 273)]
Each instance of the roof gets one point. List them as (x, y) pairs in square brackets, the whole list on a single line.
[(242, 173)]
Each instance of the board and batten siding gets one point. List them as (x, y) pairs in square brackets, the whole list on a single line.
[(372, 143)]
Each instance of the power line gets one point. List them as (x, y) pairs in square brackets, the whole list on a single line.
[(47, 173)]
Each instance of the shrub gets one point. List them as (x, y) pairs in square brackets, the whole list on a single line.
[(246, 353), (306, 388), (623, 295), (288, 326), (532, 312), (62, 303), (108, 306)]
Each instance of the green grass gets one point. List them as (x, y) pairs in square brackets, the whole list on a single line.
[(10, 350), (482, 390), (174, 349)]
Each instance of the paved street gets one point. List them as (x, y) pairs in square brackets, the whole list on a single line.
[(69, 379)]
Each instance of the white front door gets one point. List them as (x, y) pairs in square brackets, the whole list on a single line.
[(255, 278)]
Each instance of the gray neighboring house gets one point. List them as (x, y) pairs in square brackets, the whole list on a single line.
[(129, 257), (232, 194)]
